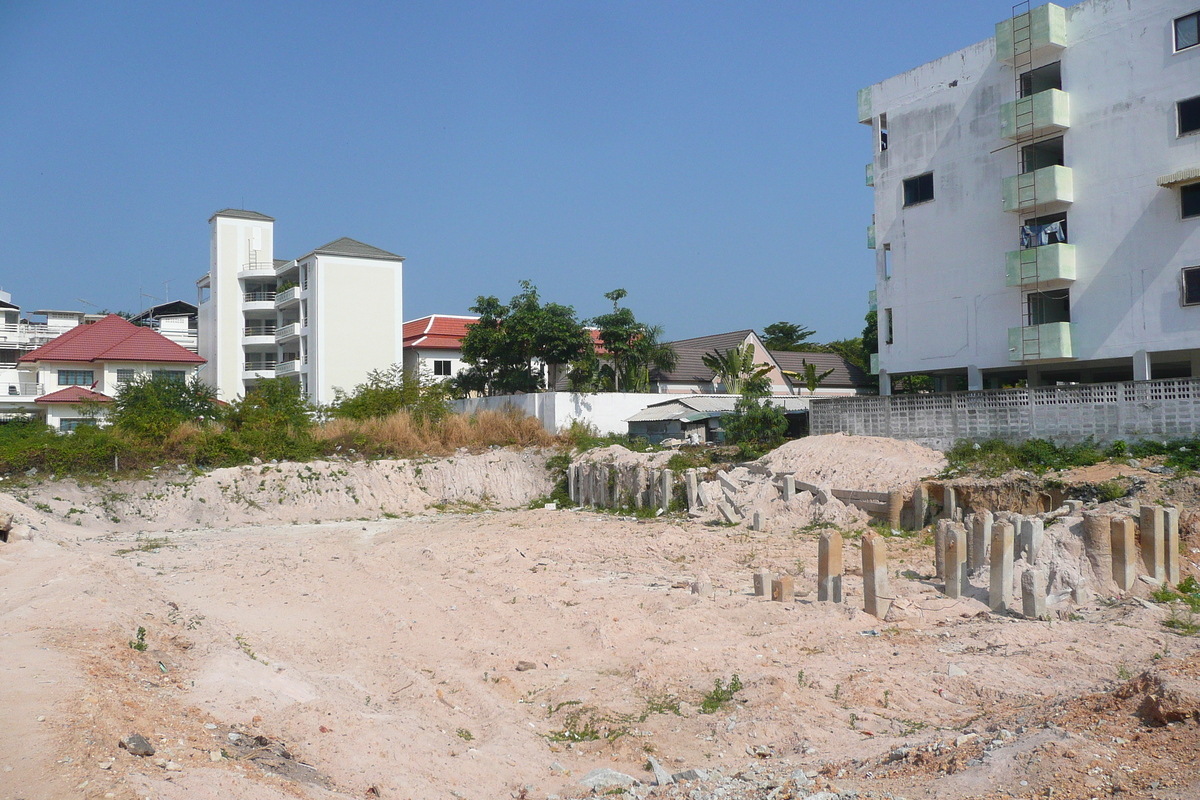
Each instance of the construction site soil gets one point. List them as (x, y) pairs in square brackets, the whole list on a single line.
[(442, 647)]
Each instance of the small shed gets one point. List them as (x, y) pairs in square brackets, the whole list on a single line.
[(696, 419)]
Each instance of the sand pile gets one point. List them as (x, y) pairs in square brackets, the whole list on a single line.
[(864, 463), (749, 492), (315, 491), (619, 456)]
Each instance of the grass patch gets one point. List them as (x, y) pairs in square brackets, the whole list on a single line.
[(148, 546), (720, 695)]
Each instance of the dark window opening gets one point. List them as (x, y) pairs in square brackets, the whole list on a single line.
[(1041, 79), (1189, 200), (169, 374), (1191, 286), (441, 367), (1189, 116), (887, 261), (918, 189), (76, 377), (1046, 229), (888, 338), (1049, 306), (883, 132), (1048, 153), (1187, 31)]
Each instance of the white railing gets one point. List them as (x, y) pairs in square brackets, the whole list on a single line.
[(31, 335), (259, 297), (259, 366), (257, 266), (260, 330), (287, 331), (287, 296), (18, 390), (287, 367)]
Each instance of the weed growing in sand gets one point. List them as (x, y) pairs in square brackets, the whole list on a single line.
[(1183, 621), (1109, 490), (1123, 672), (720, 694), (140, 643), (887, 694), (853, 721), (837, 691), (244, 646), (464, 734), (44, 508), (801, 681)]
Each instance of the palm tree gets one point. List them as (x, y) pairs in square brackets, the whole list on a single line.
[(735, 367), (647, 350), (811, 379)]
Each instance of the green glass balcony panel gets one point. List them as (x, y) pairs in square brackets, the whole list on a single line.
[(874, 363), (1046, 186), (1043, 113), (872, 300), (864, 105), (1040, 32), (1041, 342), (1050, 262), (871, 174), (870, 237)]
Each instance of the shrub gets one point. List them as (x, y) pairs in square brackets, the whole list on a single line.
[(155, 405), (390, 390)]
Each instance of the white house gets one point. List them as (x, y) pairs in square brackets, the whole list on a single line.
[(433, 345), (1037, 201), (88, 363), (324, 320)]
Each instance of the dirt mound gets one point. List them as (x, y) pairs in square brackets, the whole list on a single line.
[(865, 463)]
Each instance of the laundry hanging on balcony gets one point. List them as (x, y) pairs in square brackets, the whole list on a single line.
[(1038, 235)]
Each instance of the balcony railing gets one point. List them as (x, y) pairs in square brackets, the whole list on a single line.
[(1049, 262), (259, 297), (259, 330), (1042, 113), (31, 335), (257, 266), (1052, 340), (1046, 186), (287, 367), (287, 296), (260, 366), (1038, 33), (19, 390), (289, 331)]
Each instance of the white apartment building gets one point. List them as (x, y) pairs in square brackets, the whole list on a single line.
[(1037, 201), (324, 320)]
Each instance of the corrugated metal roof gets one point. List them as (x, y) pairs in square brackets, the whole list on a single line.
[(1190, 175)]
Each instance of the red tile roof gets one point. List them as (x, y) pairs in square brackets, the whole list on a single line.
[(73, 394), (437, 332), (112, 339)]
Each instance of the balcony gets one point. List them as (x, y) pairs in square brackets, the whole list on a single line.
[(874, 366), (872, 300), (1048, 263), (1033, 35), (287, 368), (255, 370), (285, 332), (1051, 341), (20, 391), (1046, 188), (871, 174), (1043, 113), (258, 301), (870, 237), (288, 297), (258, 334), (256, 269)]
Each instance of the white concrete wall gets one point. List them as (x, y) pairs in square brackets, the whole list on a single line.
[(421, 361), (557, 410), (356, 321), (950, 305)]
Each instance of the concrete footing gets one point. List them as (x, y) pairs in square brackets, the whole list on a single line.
[(783, 589), (1033, 594), (977, 543), (877, 597), (762, 582), (1124, 552), (956, 562), (829, 567), (1000, 587), (1171, 551), (1153, 542)]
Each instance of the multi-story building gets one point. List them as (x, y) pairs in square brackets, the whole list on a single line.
[(324, 320), (1037, 201)]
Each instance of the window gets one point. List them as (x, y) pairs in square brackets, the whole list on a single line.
[(918, 189), (1050, 306), (883, 132), (1047, 153), (1189, 200), (68, 425), (441, 367), (1046, 229), (1041, 79), (1187, 31), (76, 377), (170, 374), (887, 261), (886, 324), (1191, 286), (1189, 116), (126, 375)]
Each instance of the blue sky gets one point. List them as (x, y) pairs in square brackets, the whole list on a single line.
[(704, 156)]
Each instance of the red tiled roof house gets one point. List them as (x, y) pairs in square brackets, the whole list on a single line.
[(433, 345), (90, 362)]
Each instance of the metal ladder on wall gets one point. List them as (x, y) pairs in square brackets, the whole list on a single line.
[(1022, 35)]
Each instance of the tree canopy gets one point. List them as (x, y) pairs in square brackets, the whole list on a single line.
[(785, 336), (631, 349)]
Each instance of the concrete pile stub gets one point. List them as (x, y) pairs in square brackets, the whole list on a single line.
[(977, 543), (956, 562), (829, 567), (949, 502), (1124, 553), (702, 585), (1033, 594), (1171, 523), (762, 582), (667, 490), (1000, 587), (895, 505), (1153, 542), (783, 589), (876, 593), (1074, 507), (920, 504), (728, 514), (693, 487), (939, 547), (1097, 544), (789, 488), (756, 521), (1033, 533), (572, 481)]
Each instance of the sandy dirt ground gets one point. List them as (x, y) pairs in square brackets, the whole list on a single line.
[(499, 654)]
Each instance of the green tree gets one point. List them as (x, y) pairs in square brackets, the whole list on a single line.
[(756, 425), (272, 420), (387, 391), (155, 405), (519, 347), (785, 336), (870, 334), (735, 367), (632, 348), (812, 381)]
